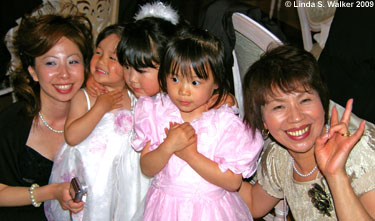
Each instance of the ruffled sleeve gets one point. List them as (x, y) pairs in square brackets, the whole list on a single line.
[(144, 119), (237, 150)]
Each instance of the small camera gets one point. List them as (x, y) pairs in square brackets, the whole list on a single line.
[(76, 190)]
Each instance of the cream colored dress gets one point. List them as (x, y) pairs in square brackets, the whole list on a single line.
[(275, 173)]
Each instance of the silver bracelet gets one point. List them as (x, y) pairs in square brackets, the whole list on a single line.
[(33, 201)]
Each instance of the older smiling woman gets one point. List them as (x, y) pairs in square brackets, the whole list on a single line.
[(323, 172)]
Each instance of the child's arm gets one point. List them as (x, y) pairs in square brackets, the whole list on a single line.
[(81, 122), (209, 169), (178, 137), (94, 88)]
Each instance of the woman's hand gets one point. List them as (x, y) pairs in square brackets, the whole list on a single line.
[(94, 88), (333, 148), (66, 202)]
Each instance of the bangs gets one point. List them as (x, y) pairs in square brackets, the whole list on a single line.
[(186, 58)]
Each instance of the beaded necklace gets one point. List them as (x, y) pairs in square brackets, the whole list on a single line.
[(49, 127)]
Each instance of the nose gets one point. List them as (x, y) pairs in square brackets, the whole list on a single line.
[(64, 72), (295, 114), (184, 89), (132, 75)]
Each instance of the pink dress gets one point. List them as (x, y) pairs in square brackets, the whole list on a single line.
[(178, 192)]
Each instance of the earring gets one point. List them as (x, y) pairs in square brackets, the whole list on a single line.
[(265, 133)]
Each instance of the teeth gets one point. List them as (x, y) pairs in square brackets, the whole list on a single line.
[(298, 132), (104, 72), (63, 86)]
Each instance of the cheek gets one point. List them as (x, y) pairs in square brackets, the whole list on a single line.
[(93, 64)]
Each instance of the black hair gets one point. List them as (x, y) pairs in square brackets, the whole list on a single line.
[(143, 42), (197, 49)]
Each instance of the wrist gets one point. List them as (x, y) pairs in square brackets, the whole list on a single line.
[(33, 199), (165, 147)]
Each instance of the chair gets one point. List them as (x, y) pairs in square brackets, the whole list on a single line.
[(252, 40), (315, 19), (101, 13)]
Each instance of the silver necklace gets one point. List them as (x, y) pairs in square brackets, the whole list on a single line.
[(48, 126), (299, 173)]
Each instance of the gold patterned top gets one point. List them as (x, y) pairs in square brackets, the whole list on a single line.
[(275, 173)]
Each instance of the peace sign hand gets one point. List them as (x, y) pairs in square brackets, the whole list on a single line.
[(333, 148)]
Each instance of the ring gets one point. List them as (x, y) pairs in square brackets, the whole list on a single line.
[(347, 134)]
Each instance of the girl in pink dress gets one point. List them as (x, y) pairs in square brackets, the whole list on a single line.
[(197, 157)]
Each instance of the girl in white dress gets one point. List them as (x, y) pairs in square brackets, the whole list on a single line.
[(96, 132)]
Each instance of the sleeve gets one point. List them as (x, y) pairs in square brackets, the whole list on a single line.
[(272, 170), (361, 164), (144, 119), (237, 150)]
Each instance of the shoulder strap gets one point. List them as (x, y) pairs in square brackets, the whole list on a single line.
[(87, 99)]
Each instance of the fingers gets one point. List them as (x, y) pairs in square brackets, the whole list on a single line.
[(334, 116), (348, 110), (75, 207), (358, 134)]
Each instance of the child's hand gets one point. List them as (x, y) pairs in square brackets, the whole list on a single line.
[(109, 101), (186, 153), (180, 136), (94, 88)]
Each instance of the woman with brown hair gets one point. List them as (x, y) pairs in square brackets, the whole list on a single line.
[(323, 166), (55, 51)]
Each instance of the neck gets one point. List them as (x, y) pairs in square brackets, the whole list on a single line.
[(53, 109), (304, 163)]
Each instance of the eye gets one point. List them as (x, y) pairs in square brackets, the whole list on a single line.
[(50, 63), (127, 67), (113, 58), (174, 79), (98, 52), (305, 100), (196, 83), (278, 107), (74, 62)]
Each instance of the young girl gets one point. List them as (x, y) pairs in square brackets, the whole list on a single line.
[(140, 50), (199, 161), (96, 131)]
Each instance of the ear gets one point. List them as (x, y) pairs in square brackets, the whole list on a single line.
[(216, 86), (33, 73), (265, 125)]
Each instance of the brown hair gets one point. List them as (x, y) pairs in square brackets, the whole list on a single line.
[(35, 36), (285, 68)]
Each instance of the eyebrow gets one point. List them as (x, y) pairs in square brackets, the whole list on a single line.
[(276, 99)]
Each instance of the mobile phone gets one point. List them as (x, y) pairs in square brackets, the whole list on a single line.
[(76, 190)]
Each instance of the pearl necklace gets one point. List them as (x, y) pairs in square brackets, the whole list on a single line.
[(48, 126), (303, 175)]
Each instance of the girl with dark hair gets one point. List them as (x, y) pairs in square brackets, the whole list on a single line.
[(54, 51), (197, 157), (323, 167)]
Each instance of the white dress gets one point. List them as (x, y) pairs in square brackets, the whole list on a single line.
[(107, 165)]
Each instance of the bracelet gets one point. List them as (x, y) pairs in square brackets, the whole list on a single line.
[(33, 201)]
